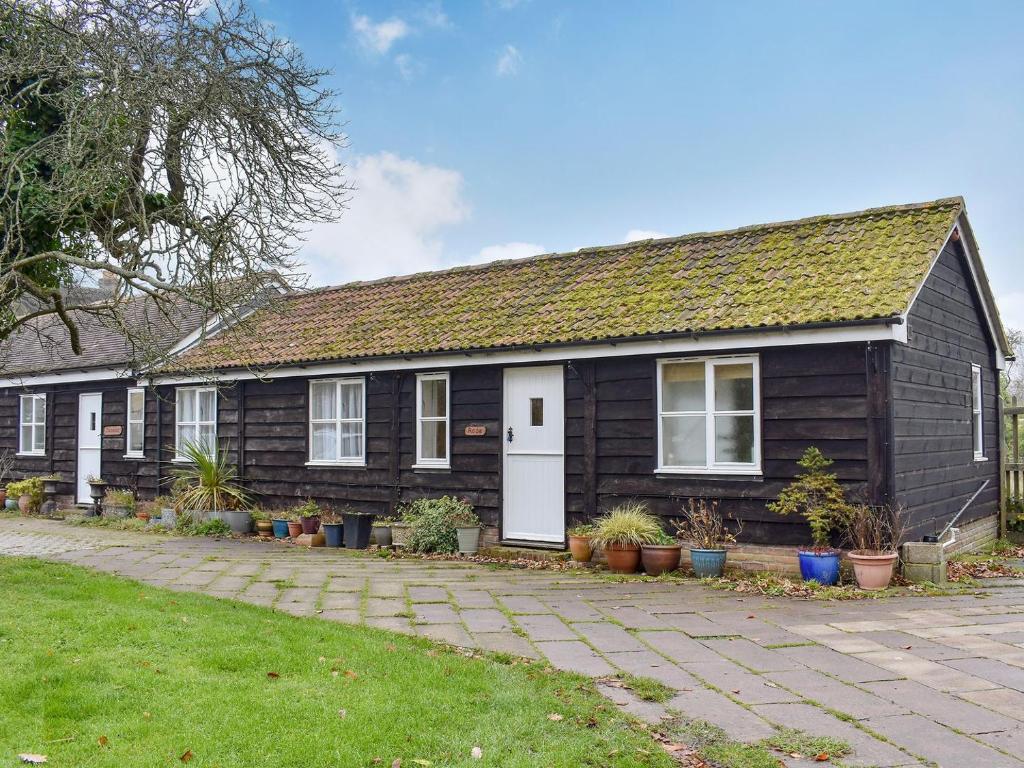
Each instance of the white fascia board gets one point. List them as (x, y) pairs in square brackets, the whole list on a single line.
[(956, 230), (697, 344), (65, 377)]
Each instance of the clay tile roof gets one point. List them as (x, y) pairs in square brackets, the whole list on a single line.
[(844, 267)]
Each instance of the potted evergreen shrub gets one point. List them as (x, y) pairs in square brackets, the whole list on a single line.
[(331, 523), (211, 490), (309, 516), (704, 528), (119, 503), (29, 494), (579, 542), (874, 535), (381, 531), (622, 531), (818, 497), (356, 527), (467, 526), (661, 555)]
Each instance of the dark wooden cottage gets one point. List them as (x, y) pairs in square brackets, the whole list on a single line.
[(548, 389)]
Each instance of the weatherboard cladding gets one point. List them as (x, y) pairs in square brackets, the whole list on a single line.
[(828, 269)]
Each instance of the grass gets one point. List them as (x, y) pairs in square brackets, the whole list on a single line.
[(101, 672), (646, 688), (715, 746)]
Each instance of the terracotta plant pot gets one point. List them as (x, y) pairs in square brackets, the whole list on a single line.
[(579, 547), (3, 497), (660, 558), (873, 569), (25, 504), (142, 515), (622, 558), (294, 528)]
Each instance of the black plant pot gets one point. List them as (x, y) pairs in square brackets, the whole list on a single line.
[(357, 527), (332, 534)]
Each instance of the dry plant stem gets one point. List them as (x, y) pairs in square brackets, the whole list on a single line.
[(704, 526)]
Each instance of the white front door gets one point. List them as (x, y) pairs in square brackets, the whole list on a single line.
[(90, 441), (534, 478)]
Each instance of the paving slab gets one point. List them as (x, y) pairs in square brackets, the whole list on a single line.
[(993, 670), (947, 709), (925, 738), (847, 668), (836, 695), (540, 627), (677, 646), (653, 665), (1001, 700), (751, 655), (485, 620), (930, 673), (575, 656), (738, 722), (505, 642), (607, 637), (737, 682)]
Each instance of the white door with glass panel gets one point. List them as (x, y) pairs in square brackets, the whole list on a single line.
[(90, 442), (533, 483)]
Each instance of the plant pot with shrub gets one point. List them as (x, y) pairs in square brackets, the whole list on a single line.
[(210, 489), (356, 528), (661, 555), (467, 528), (622, 531), (119, 503), (163, 507), (309, 516), (261, 520), (874, 535), (29, 494), (704, 528), (579, 542), (279, 524), (380, 532), (294, 528), (818, 497), (333, 529)]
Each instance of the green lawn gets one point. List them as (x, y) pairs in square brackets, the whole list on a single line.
[(101, 671)]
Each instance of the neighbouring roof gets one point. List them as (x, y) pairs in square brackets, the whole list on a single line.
[(827, 269), (44, 346)]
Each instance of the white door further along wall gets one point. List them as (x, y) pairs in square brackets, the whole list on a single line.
[(533, 484), (90, 442)]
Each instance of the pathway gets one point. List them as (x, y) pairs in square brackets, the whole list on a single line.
[(904, 680)]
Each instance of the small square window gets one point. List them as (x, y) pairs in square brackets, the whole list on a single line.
[(536, 411)]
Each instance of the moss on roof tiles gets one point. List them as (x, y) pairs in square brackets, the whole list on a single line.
[(845, 267)]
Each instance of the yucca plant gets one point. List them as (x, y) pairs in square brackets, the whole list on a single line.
[(627, 525), (212, 481)]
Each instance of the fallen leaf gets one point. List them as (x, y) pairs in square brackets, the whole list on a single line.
[(146, 715), (420, 761), (397, 763), (187, 756), (334, 673), (342, 713), (554, 717), (821, 757), (273, 675), (476, 753), (28, 757), (351, 675), (322, 659), (103, 741)]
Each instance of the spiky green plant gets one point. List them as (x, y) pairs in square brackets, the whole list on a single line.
[(628, 524), (817, 495), (212, 481)]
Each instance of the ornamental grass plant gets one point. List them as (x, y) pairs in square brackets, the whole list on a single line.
[(627, 525)]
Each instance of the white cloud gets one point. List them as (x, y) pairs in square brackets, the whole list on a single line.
[(433, 15), (408, 67), (508, 251), (1011, 309), (508, 5), (393, 225), (642, 234), (508, 61), (378, 37)]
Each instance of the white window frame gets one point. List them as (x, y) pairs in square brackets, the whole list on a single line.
[(977, 414), (338, 461), (429, 463), (31, 399), (130, 425), (194, 392), (713, 467)]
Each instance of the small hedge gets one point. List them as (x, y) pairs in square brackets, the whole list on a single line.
[(433, 523)]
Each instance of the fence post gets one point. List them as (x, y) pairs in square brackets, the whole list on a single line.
[(1004, 469)]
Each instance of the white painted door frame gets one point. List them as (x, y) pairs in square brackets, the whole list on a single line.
[(90, 443), (533, 463)]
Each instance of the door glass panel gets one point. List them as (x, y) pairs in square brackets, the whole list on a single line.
[(682, 387), (684, 440), (92, 421), (434, 439), (536, 411), (434, 397), (734, 387), (734, 439)]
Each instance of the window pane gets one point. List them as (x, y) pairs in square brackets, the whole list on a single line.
[(351, 401), (734, 439), (682, 387), (186, 405), (323, 401), (26, 438), (26, 410), (40, 438), (734, 387), (434, 397), (186, 435), (324, 442), (135, 401), (684, 441), (135, 435), (40, 405), (434, 439), (208, 438), (207, 404), (351, 441)]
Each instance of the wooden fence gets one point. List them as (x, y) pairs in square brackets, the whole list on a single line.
[(1012, 491)]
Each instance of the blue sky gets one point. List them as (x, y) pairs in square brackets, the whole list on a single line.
[(499, 128)]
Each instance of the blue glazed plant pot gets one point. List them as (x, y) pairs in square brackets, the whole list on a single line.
[(820, 567), (708, 563), (280, 529), (332, 534)]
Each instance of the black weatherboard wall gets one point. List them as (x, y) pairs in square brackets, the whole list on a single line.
[(934, 468)]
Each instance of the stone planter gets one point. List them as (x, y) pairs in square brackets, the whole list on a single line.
[(873, 569), (238, 520), (401, 533), (382, 535), (660, 558), (469, 539), (579, 547), (622, 558), (116, 511), (168, 517)]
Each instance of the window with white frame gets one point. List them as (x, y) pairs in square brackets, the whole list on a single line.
[(135, 423), (196, 418), (709, 415), (33, 425), (977, 420), (337, 421), (432, 420)]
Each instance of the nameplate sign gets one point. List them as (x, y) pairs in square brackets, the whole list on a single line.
[(476, 430), (113, 431)]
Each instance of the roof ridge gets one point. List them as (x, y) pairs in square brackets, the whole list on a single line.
[(957, 201)]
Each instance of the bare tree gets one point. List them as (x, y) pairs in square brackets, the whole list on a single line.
[(1013, 376), (177, 145)]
